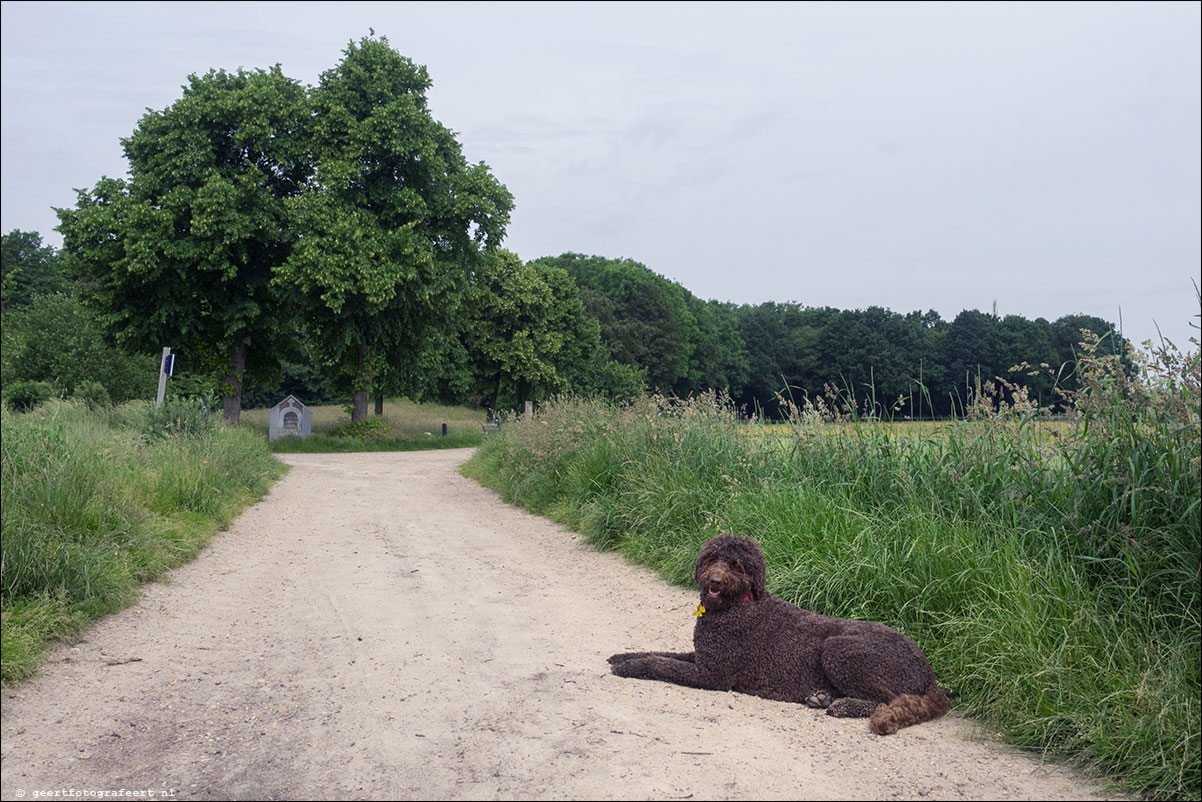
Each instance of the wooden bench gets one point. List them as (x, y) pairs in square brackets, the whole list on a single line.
[(491, 427)]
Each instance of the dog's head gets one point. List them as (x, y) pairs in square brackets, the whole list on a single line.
[(730, 569)]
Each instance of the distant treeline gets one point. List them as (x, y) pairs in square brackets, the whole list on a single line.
[(583, 325), (889, 364)]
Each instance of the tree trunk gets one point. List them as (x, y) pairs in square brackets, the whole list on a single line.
[(232, 401), (496, 395), (359, 409), (362, 388), (524, 396)]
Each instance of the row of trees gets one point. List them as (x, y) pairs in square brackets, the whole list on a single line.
[(586, 325), (335, 241), (914, 365), (261, 218), (891, 364)]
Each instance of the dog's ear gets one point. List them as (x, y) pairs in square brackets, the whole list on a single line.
[(754, 564)]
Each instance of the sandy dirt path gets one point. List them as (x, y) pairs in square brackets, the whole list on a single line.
[(379, 627)]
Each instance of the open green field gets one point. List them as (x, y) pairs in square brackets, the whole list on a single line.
[(1047, 430), (405, 426)]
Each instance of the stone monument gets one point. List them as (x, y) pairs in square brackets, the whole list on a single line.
[(289, 418)]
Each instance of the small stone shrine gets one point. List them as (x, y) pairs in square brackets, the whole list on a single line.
[(289, 418)]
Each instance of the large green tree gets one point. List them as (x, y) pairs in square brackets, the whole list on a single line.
[(527, 336), (182, 254), (719, 358), (876, 354), (1019, 341), (394, 221), (969, 356), (646, 321), (515, 329), (762, 328)]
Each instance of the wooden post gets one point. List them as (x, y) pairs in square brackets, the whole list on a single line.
[(162, 378)]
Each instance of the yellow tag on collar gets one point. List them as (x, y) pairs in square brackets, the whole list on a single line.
[(699, 611)]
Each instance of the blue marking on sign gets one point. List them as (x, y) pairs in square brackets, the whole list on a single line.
[(169, 364)]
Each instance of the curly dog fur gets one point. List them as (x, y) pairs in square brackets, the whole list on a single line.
[(747, 640)]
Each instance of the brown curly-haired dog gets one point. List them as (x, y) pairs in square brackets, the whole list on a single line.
[(747, 640)]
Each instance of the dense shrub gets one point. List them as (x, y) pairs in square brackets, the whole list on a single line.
[(92, 393), (56, 339), (180, 417), (25, 395)]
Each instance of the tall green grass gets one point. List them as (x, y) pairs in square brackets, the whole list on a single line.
[(98, 501), (1052, 580)]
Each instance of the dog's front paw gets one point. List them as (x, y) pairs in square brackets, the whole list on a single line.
[(630, 667), (623, 657), (819, 700)]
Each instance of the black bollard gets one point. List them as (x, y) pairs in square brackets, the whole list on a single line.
[(444, 430)]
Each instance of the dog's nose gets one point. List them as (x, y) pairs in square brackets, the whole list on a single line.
[(715, 583)]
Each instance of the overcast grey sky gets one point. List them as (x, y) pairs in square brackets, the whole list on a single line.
[(946, 156)]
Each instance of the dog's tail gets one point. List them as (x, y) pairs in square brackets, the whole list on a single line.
[(907, 710)]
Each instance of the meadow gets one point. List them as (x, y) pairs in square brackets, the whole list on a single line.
[(1049, 570), (405, 426)]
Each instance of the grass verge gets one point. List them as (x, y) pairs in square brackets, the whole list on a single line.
[(97, 502)]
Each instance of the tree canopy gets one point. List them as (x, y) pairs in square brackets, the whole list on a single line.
[(393, 220), (645, 319), (914, 365), (28, 268), (183, 253), (526, 334)]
